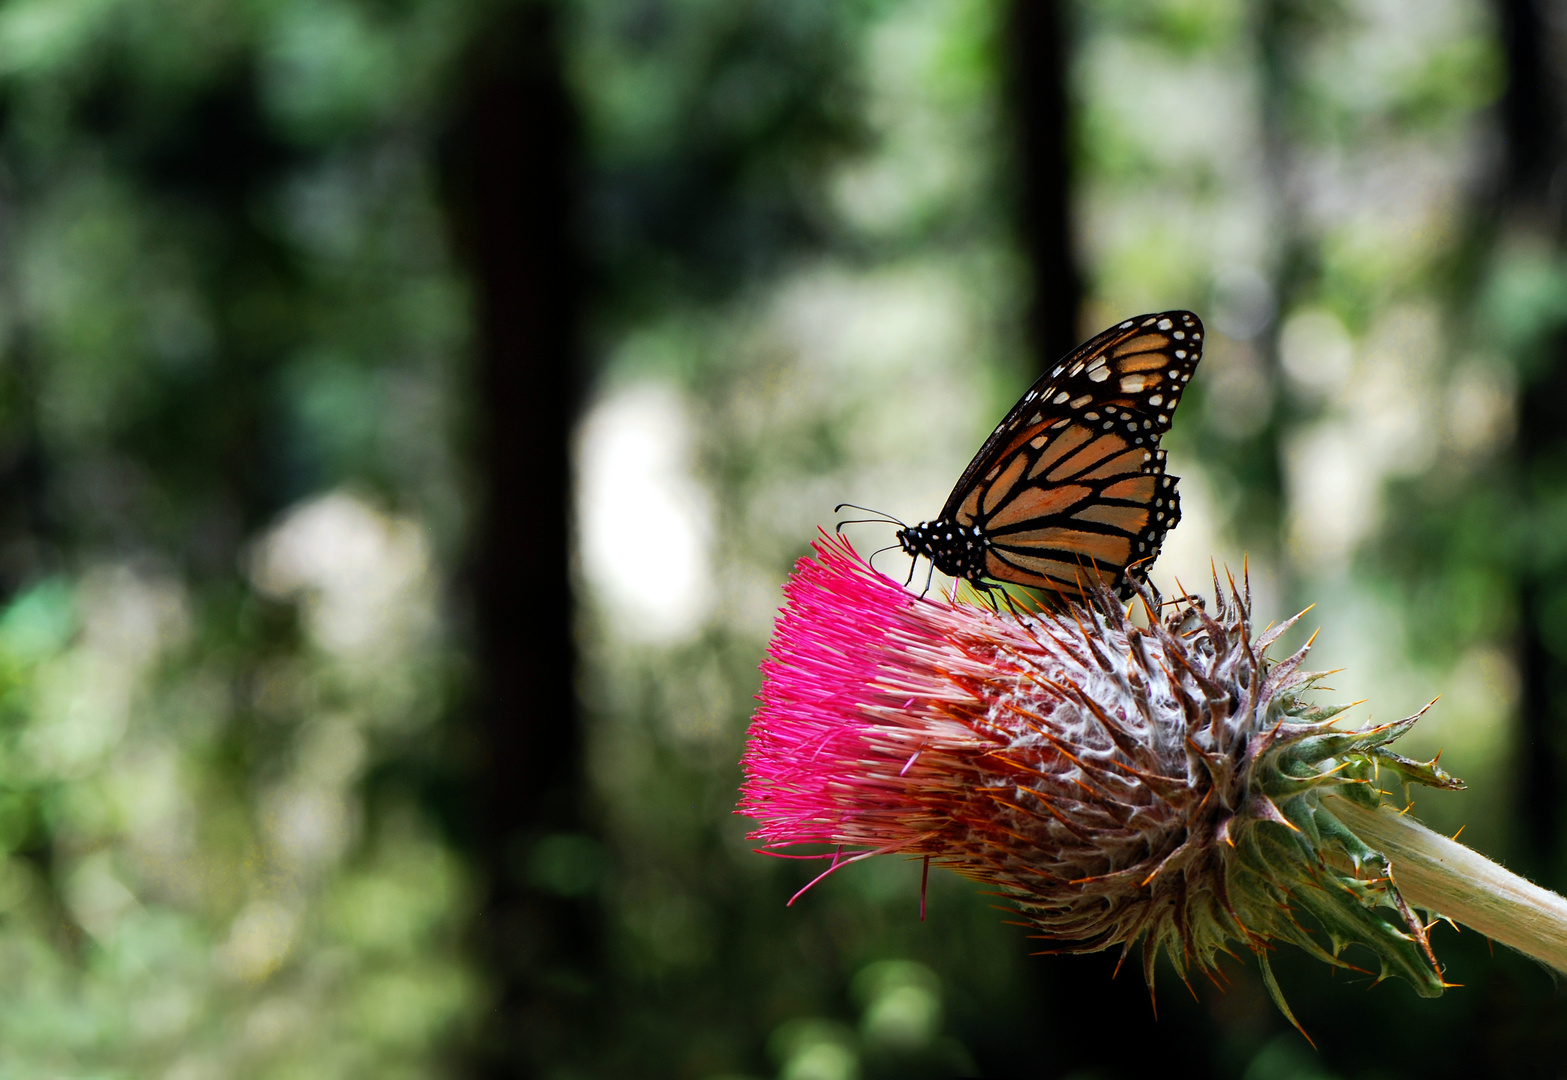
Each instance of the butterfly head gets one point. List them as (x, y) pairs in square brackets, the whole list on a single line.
[(956, 550)]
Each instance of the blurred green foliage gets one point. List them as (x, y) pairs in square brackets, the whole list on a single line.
[(230, 389), (233, 505)]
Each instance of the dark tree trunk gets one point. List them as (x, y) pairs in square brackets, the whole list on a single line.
[(1531, 109), (510, 166), (1532, 118), (1037, 77)]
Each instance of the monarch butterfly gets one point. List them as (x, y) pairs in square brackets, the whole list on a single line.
[(1072, 482)]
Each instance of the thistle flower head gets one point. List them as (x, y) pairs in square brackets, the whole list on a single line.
[(1157, 785)]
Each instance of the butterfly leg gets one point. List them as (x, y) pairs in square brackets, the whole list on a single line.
[(1158, 600), (994, 596), (1013, 606), (1184, 618), (871, 560)]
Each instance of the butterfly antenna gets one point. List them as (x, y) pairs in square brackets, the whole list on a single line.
[(864, 521), (880, 515)]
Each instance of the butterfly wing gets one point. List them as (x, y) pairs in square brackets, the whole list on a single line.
[(1072, 482)]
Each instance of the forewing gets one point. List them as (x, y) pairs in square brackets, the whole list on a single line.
[(1072, 482)]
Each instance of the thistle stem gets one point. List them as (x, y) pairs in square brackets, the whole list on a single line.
[(1444, 876)]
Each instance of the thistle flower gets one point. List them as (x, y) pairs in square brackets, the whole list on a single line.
[(1166, 785)]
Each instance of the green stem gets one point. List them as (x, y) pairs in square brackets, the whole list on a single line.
[(1442, 876)]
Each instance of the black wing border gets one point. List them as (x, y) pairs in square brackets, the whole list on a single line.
[(1044, 388)]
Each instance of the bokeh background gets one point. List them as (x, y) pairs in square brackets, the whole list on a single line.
[(409, 410)]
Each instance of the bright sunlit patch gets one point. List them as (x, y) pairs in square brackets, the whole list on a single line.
[(259, 941), (644, 522), (361, 574), (1480, 405), (86, 695), (1199, 545), (1316, 351), (1382, 421), (1333, 495)]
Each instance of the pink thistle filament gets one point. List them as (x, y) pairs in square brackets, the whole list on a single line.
[(875, 722), (1122, 784), (896, 723)]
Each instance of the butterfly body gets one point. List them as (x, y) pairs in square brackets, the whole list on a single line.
[(957, 550), (1071, 484)]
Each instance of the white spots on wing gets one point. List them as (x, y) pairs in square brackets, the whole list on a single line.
[(1153, 399), (1090, 416), (1060, 398), (1180, 354), (1133, 384), (1127, 325), (1099, 374), (1165, 324), (1079, 402)]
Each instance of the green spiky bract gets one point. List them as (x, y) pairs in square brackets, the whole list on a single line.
[(1277, 755)]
